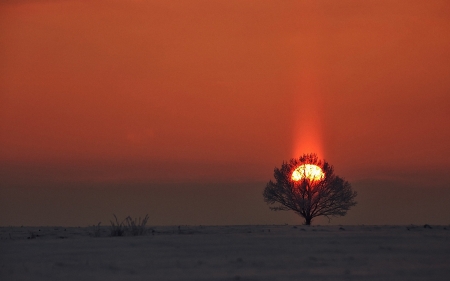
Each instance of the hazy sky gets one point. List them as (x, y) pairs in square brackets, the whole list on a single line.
[(181, 109)]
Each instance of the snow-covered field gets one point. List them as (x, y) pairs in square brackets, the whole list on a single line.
[(228, 253)]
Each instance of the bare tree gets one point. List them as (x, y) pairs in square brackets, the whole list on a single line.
[(302, 187)]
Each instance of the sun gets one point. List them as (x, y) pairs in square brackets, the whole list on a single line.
[(309, 171)]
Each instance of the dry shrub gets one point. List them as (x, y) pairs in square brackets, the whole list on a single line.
[(137, 226), (117, 229), (134, 227)]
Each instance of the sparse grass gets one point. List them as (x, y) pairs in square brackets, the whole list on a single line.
[(96, 230), (136, 227), (117, 229)]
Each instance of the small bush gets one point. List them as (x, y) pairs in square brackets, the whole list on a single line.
[(117, 229), (136, 227)]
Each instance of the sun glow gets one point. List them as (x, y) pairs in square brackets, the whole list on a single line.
[(309, 171)]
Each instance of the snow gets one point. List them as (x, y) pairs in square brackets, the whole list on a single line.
[(266, 252)]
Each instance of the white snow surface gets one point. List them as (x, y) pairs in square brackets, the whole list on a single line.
[(267, 252)]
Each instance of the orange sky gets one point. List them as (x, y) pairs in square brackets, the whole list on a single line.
[(222, 91)]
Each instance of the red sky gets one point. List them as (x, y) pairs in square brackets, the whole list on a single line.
[(212, 95)]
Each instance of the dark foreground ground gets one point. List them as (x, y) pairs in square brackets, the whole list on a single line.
[(228, 253)]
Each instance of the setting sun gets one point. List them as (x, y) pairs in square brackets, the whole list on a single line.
[(309, 171)]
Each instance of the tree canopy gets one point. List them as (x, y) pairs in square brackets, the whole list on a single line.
[(299, 186)]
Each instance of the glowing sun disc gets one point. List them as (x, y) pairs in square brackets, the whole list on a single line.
[(309, 171)]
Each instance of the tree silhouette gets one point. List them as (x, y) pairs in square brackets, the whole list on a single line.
[(301, 187)]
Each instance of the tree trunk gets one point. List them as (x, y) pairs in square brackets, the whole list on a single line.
[(307, 221)]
